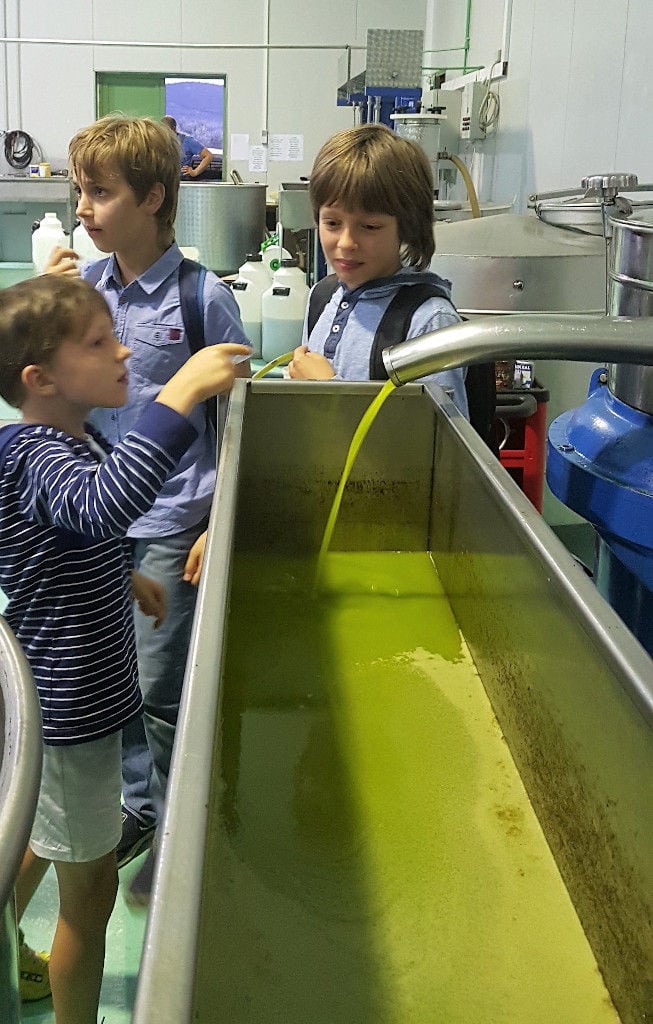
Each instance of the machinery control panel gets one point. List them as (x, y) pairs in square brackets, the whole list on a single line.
[(470, 107)]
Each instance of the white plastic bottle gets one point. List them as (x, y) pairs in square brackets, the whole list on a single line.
[(283, 308), (48, 234), (273, 255), (253, 279), (256, 269), (84, 246)]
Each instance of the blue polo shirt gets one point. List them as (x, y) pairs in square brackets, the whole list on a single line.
[(345, 330), (147, 319), (190, 147)]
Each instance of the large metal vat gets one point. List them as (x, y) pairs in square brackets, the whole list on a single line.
[(518, 264), (630, 293), (225, 222), (246, 811)]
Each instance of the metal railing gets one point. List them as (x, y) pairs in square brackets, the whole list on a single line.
[(20, 776)]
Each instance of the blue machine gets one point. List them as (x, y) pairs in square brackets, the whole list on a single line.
[(377, 103), (600, 456), (600, 464), (391, 80)]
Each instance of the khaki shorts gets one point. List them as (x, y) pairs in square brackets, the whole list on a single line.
[(78, 816)]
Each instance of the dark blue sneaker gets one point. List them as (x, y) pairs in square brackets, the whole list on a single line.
[(137, 835)]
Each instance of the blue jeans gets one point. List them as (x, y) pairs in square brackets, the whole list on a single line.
[(147, 742)]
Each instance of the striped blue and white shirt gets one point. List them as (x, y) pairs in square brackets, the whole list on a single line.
[(65, 564)]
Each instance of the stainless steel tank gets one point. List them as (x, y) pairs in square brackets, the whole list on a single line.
[(518, 264), (512, 263), (224, 221), (630, 293)]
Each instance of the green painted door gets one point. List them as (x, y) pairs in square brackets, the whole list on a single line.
[(140, 95)]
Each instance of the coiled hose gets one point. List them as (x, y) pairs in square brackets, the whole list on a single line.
[(19, 147)]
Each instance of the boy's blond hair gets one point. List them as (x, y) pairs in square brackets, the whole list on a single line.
[(36, 316), (371, 168), (143, 150)]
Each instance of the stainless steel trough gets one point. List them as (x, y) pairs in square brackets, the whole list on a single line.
[(278, 897)]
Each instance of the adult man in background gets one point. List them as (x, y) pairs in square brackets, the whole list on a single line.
[(190, 148)]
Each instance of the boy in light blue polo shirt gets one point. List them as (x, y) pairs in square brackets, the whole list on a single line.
[(126, 174), (372, 198)]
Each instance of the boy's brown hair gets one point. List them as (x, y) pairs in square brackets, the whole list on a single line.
[(36, 316), (143, 150), (371, 168)]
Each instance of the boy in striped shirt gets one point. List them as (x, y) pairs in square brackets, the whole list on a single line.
[(66, 502)]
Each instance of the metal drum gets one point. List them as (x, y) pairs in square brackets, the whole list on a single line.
[(517, 264), (630, 293), (224, 221)]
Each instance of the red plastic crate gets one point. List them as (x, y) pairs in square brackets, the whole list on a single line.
[(521, 436)]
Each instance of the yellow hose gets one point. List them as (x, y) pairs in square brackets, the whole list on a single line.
[(469, 184), (279, 361)]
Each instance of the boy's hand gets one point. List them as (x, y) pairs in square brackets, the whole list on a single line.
[(150, 596), (306, 365), (208, 372), (62, 261), (193, 566)]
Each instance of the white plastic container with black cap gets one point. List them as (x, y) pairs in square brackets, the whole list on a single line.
[(47, 235), (283, 309), (256, 269), (253, 279)]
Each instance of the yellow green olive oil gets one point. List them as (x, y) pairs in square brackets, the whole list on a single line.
[(373, 856)]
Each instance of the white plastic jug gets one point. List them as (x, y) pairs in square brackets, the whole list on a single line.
[(84, 246), (248, 296), (48, 234), (257, 270), (273, 255), (253, 279), (283, 308)]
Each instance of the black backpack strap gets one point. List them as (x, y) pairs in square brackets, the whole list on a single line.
[(318, 299), (481, 388), (395, 322), (480, 385), (191, 300)]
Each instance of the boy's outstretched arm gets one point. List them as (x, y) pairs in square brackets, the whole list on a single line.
[(208, 372), (150, 596)]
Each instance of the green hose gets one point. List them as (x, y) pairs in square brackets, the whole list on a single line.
[(279, 361)]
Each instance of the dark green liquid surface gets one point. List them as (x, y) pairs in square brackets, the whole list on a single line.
[(373, 857)]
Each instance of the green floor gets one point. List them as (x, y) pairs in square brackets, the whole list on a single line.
[(124, 944)]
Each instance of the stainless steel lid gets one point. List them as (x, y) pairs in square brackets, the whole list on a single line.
[(640, 219)]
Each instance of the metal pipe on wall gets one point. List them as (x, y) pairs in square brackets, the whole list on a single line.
[(32, 40)]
